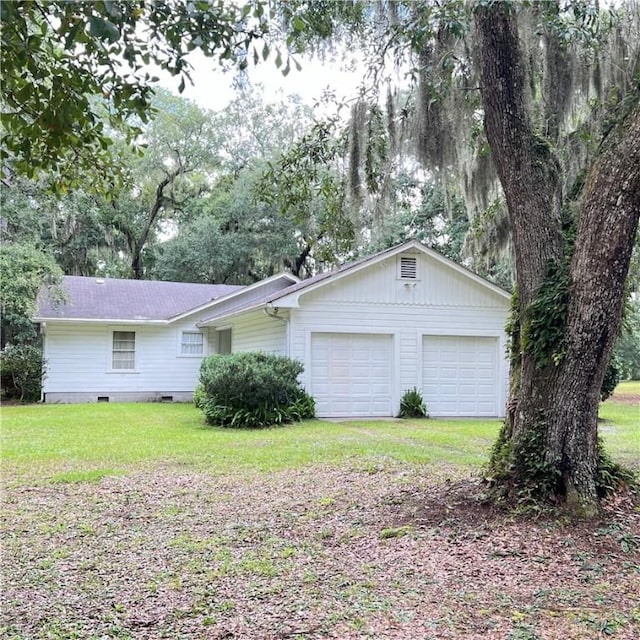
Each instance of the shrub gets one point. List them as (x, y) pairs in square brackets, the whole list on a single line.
[(412, 405), (22, 369), (611, 379), (199, 397), (252, 390)]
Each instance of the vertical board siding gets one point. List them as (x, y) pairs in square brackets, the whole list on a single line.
[(436, 285)]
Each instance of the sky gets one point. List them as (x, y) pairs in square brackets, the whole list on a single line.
[(213, 89)]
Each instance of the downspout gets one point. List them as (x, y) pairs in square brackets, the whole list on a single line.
[(272, 312)]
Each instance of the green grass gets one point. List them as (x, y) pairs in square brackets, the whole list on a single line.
[(82, 443), (620, 426), (627, 388)]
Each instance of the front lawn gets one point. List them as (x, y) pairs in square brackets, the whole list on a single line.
[(138, 522), (88, 441), (67, 441)]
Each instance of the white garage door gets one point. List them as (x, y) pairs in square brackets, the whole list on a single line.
[(460, 375), (351, 374)]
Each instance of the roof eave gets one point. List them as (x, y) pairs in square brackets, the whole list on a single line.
[(127, 321), (216, 320), (234, 294)]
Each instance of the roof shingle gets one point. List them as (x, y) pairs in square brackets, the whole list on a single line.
[(117, 299)]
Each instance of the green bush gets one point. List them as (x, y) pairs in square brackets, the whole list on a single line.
[(611, 378), (199, 397), (252, 390), (22, 370), (412, 405)]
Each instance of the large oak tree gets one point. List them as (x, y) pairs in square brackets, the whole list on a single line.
[(550, 444)]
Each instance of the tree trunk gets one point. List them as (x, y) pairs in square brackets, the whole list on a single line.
[(528, 173), (137, 267), (551, 438), (606, 231)]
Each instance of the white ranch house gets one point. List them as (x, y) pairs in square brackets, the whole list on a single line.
[(405, 317)]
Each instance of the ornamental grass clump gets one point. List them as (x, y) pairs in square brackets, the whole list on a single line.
[(412, 405), (252, 390)]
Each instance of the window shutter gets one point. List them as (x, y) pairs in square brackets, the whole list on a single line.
[(408, 268)]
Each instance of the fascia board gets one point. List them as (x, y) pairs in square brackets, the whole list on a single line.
[(98, 321), (212, 322)]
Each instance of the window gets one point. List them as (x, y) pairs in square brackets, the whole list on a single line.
[(191, 343), (123, 354), (408, 268), (224, 341)]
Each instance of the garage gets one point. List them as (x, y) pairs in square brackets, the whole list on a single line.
[(351, 374), (460, 375)]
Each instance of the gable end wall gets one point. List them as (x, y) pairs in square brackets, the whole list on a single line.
[(441, 302)]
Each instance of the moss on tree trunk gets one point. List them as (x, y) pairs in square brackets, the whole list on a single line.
[(548, 449)]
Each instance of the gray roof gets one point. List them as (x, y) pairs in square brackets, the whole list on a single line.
[(116, 299)]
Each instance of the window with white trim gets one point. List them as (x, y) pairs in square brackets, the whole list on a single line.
[(123, 352), (408, 268), (191, 343)]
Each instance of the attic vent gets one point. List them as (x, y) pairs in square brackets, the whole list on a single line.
[(408, 268)]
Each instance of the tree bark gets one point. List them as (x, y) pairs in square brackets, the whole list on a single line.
[(528, 172), (607, 228), (557, 402)]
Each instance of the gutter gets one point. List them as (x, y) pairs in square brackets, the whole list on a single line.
[(102, 321)]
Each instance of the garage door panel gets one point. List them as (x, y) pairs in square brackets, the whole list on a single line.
[(468, 390), (351, 374), (460, 375)]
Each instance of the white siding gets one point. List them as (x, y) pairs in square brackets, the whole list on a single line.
[(257, 331), (79, 361), (437, 284), (407, 324)]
